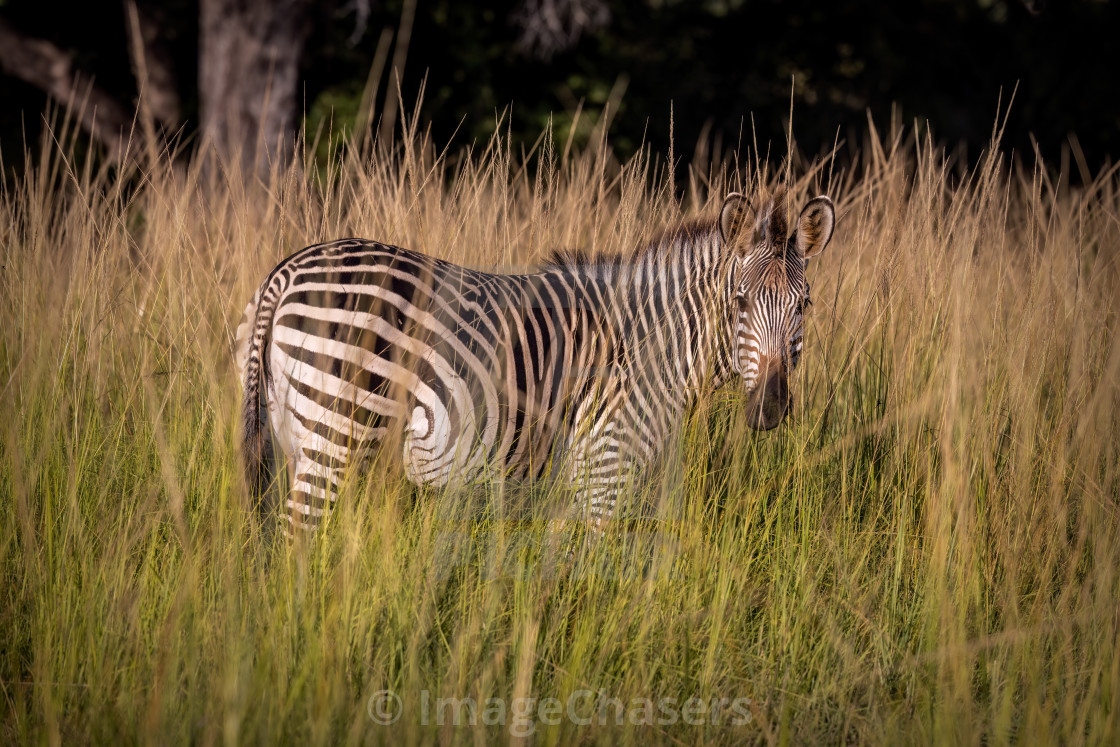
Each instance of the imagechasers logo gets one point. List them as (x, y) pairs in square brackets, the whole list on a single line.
[(384, 707), (582, 708)]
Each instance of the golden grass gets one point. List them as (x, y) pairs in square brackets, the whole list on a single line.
[(926, 551)]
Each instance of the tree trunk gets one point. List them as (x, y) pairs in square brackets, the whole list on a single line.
[(248, 79)]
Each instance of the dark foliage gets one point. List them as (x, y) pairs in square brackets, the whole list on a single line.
[(721, 67)]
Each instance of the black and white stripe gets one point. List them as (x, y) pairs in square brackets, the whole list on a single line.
[(347, 343)]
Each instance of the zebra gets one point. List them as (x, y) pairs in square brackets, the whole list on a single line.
[(587, 365)]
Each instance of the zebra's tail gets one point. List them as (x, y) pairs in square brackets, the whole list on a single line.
[(251, 355)]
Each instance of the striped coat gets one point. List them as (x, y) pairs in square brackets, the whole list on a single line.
[(585, 366)]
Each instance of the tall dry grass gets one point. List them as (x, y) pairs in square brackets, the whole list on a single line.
[(926, 551)]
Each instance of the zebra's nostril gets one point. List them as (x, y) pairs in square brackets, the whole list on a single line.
[(769, 402)]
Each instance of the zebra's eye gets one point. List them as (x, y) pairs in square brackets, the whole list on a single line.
[(804, 304)]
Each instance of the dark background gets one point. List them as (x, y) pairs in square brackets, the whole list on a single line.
[(715, 63)]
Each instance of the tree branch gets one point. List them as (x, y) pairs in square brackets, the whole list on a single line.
[(549, 27), (45, 66)]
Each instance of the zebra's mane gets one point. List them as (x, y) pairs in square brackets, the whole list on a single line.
[(665, 243), (771, 225)]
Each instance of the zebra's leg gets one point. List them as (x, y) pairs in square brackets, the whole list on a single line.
[(591, 512), (595, 506), (606, 473), (592, 466), (598, 486), (315, 476), (599, 476)]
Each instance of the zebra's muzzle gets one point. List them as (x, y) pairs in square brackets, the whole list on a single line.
[(769, 402)]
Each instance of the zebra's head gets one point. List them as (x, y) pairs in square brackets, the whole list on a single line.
[(769, 294)]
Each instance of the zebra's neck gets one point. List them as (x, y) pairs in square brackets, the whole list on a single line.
[(665, 312)]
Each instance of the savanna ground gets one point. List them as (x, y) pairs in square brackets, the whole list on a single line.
[(926, 551)]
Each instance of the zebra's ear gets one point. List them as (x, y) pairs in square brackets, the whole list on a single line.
[(814, 227), (733, 216)]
